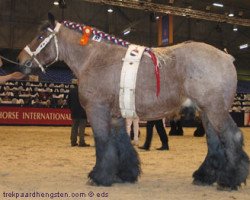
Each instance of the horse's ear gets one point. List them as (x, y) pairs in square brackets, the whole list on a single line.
[(51, 19)]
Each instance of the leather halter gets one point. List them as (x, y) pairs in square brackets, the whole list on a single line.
[(42, 45)]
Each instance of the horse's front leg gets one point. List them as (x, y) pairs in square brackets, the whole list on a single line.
[(129, 163), (116, 159), (106, 167)]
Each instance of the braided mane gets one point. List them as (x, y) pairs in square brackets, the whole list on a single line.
[(79, 28)]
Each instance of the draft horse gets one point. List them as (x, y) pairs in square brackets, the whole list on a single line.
[(190, 70)]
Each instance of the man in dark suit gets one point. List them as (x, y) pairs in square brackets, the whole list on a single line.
[(79, 118), (161, 132)]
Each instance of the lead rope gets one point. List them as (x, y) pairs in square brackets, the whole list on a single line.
[(10, 61)]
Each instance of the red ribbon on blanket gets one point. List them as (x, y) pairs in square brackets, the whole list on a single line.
[(157, 72)]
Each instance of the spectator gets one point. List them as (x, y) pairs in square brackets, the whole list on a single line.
[(35, 102), (61, 103), (79, 118), (6, 100), (135, 122), (161, 132)]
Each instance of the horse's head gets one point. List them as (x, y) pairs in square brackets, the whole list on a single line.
[(43, 49)]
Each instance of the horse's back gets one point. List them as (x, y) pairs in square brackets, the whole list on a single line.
[(192, 70)]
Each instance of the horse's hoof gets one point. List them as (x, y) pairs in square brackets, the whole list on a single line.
[(117, 180), (226, 188), (91, 183), (200, 183)]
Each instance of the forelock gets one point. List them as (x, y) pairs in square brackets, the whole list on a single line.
[(44, 26)]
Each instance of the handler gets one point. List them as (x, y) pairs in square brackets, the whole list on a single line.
[(13, 76), (79, 118)]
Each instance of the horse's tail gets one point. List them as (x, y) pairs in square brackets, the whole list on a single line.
[(229, 55)]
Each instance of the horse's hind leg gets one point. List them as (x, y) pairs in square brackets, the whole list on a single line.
[(236, 168), (207, 172), (226, 161)]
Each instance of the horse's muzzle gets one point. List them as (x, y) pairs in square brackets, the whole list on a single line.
[(26, 67)]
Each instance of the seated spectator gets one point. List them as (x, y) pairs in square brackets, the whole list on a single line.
[(20, 88), (61, 90), (24, 94), (48, 89), (236, 109), (9, 93), (43, 95), (45, 103), (28, 89), (61, 103), (41, 90), (17, 101), (35, 89), (34, 95), (2, 94), (27, 101), (61, 85), (9, 83), (6, 100), (57, 96), (56, 90), (35, 102), (28, 83)]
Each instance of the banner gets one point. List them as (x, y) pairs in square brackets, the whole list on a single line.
[(165, 30), (34, 116)]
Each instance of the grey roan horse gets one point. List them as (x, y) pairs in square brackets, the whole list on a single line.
[(190, 70)]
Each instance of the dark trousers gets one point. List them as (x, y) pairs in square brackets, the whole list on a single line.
[(78, 129), (160, 130)]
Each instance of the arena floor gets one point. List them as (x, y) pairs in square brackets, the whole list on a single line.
[(40, 159)]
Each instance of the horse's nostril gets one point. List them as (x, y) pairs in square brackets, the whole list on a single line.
[(28, 63)]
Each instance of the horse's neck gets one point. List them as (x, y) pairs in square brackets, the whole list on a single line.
[(78, 57), (70, 51)]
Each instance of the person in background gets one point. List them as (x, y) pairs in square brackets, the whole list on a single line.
[(79, 118), (135, 122), (161, 132)]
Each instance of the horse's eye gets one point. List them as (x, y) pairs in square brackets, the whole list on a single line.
[(40, 37)]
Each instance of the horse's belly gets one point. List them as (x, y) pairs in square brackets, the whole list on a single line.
[(157, 108)]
